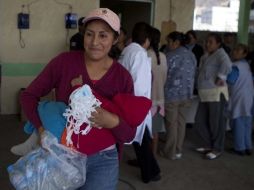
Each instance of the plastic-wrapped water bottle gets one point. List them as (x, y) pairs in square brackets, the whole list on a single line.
[(69, 178), (18, 179)]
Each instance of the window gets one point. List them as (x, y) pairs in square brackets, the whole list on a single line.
[(216, 15)]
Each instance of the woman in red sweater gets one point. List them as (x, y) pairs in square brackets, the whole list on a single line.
[(107, 78)]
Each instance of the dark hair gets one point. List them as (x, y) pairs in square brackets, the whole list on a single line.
[(244, 47), (114, 52), (80, 21), (192, 32), (123, 30), (177, 36), (228, 34), (141, 32), (216, 36), (155, 40)]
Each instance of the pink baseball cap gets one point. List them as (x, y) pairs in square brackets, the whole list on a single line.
[(106, 15)]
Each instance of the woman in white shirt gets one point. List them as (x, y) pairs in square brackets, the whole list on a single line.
[(135, 59)]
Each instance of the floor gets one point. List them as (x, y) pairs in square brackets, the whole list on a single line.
[(229, 172)]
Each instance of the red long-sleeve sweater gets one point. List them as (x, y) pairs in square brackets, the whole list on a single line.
[(58, 75)]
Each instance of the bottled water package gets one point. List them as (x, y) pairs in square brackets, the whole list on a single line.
[(50, 167)]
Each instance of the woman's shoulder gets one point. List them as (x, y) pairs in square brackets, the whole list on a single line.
[(222, 56), (150, 52), (242, 63), (120, 75), (133, 48), (70, 54), (67, 58), (163, 58), (221, 52), (120, 68), (177, 53)]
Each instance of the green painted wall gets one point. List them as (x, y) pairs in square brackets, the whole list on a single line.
[(21, 69), (243, 21)]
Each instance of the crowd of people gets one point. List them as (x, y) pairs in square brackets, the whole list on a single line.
[(168, 76)]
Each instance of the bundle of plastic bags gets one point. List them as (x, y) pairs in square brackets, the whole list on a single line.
[(52, 166), (82, 103)]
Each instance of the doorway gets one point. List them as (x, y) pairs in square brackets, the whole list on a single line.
[(131, 11)]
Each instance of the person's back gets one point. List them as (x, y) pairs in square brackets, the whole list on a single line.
[(135, 59), (159, 76), (193, 45)]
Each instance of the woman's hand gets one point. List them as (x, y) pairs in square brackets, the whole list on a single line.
[(219, 82), (103, 118), (78, 81)]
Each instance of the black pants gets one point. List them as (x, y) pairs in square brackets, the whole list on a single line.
[(147, 162), (211, 123)]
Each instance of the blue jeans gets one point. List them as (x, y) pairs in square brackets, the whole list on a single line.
[(242, 128), (102, 171)]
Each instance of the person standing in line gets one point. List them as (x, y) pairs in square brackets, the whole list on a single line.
[(178, 91), (198, 51), (105, 76), (135, 59), (210, 120), (228, 42), (159, 75), (192, 45), (77, 40), (240, 104)]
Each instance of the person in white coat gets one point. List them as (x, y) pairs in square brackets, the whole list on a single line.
[(135, 59)]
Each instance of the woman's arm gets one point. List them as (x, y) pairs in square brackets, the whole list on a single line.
[(123, 132), (225, 66), (39, 87)]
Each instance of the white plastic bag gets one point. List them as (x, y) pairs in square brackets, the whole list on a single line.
[(53, 167)]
